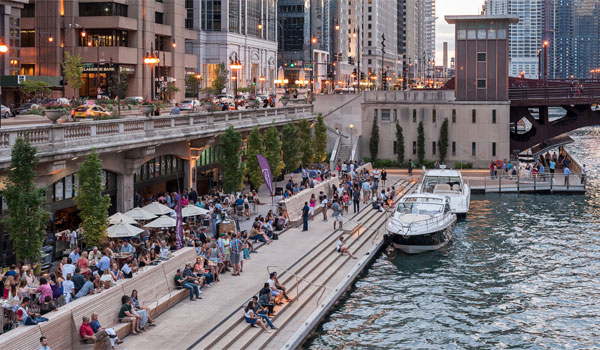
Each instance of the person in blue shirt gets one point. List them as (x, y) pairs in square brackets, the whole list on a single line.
[(567, 172), (127, 247), (103, 263), (305, 211), (95, 324), (74, 255), (175, 110)]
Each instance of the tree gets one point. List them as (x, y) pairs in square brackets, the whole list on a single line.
[(420, 144), (171, 89), (273, 151), (443, 141), (26, 218), (399, 144), (306, 144), (374, 141), (220, 80), (118, 87), (192, 85), (254, 146), (72, 69), (320, 139), (290, 147), (36, 89), (92, 205), (233, 170)]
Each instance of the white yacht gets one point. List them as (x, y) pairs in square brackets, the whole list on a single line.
[(449, 183), (421, 222)]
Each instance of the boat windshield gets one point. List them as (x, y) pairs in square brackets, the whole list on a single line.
[(441, 184), (420, 208)]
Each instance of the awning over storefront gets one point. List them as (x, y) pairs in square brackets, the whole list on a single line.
[(15, 80)]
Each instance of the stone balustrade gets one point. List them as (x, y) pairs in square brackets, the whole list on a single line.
[(56, 141)]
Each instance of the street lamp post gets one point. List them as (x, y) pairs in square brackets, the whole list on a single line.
[(351, 129), (539, 53), (236, 65), (151, 59), (546, 43), (98, 63), (313, 41), (262, 80), (3, 51)]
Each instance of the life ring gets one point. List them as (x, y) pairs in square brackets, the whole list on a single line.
[(499, 164)]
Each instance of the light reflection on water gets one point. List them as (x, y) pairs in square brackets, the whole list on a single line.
[(522, 273)]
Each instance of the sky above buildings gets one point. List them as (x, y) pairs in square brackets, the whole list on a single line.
[(445, 31)]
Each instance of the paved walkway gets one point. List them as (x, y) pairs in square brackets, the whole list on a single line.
[(183, 325)]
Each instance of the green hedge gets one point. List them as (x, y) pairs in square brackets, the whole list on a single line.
[(461, 165)]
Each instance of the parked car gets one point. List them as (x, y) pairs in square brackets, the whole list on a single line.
[(225, 98), (5, 112), (134, 99), (90, 112), (26, 108), (63, 101), (188, 105)]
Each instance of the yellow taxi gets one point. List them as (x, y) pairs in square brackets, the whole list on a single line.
[(93, 111)]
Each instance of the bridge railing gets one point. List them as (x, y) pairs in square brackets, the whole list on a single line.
[(62, 137), (574, 93)]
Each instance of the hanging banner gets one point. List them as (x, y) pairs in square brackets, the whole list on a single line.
[(266, 172)]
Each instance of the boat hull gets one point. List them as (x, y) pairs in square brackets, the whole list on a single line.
[(415, 244)]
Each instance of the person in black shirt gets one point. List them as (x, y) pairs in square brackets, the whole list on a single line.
[(78, 280)]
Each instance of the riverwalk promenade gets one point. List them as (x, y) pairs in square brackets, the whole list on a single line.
[(307, 264)]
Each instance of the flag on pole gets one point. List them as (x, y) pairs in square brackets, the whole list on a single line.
[(266, 172), (179, 223)]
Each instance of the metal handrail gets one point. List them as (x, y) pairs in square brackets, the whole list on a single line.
[(300, 278)]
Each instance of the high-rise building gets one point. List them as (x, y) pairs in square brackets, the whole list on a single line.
[(230, 30), (574, 38), (380, 22), (526, 36), (10, 35), (111, 37), (306, 40), (408, 36), (426, 37)]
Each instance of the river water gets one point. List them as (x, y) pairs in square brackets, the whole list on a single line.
[(521, 273)]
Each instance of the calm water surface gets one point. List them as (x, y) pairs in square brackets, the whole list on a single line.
[(522, 273)]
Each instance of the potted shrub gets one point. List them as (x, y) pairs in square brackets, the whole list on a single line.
[(147, 108), (53, 111)]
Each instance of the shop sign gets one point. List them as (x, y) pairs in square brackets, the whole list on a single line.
[(96, 69)]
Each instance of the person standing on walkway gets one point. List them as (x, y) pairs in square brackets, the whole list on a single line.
[(383, 177), (324, 201), (312, 205), (583, 175), (356, 199), (410, 167), (305, 212), (567, 172), (366, 188), (337, 214)]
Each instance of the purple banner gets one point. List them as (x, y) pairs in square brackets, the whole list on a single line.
[(179, 223), (266, 172)]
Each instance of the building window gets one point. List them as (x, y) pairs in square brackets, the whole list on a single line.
[(105, 37), (454, 116), (27, 38), (453, 148), (87, 9), (385, 115), (395, 115), (414, 147), (159, 17), (481, 57), (473, 116), (493, 116), (395, 147), (481, 83), (493, 149), (473, 149), (433, 148), (414, 115), (434, 116), (375, 114)]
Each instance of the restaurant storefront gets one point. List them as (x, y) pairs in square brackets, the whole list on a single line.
[(160, 174), (208, 169)]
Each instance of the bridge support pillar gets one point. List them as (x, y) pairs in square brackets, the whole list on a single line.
[(125, 192), (189, 176)]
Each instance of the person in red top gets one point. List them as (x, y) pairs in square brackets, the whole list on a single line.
[(87, 333)]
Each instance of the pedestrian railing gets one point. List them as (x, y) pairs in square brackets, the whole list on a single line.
[(130, 132), (528, 183)]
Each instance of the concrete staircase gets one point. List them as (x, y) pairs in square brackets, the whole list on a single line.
[(344, 153), (309, 280)]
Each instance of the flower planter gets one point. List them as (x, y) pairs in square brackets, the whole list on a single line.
[(147, 110), (284, 102), (54, 114)]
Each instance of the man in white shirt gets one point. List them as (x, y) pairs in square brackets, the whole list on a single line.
[(164, 250), (68, 268)]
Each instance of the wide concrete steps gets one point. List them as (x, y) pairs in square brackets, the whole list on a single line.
[(308, 281)]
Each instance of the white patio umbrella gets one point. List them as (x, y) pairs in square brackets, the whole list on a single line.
[(192, 210), (162, 221), (120, 217), (157, 209), (122, 230), (140, 214)]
